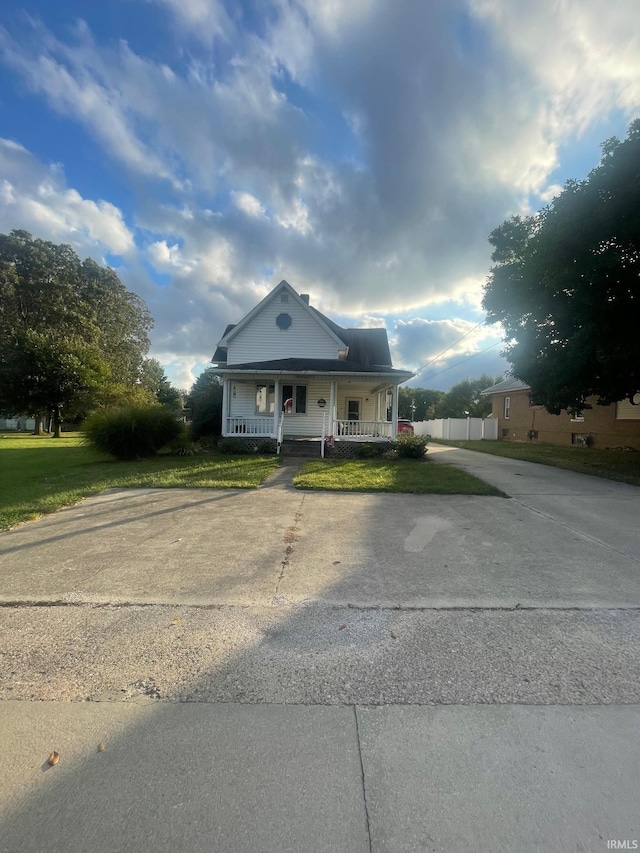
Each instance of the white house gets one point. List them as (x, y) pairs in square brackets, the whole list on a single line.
[(290, 372)]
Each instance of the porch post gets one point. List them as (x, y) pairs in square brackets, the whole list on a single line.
[(276, 407), (332, 405), (394, 411), (225, 406)]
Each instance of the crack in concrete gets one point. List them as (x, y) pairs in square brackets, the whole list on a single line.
[(364, 784), (290, 536), (305, 605)]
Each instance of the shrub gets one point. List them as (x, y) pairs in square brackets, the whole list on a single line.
[(372, 449), (183, 446), (410, 446), (132, 432)]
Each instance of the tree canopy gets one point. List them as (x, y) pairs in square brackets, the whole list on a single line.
[(418, 404), (463, 400), (71, 334), (565, 286), (205, 401), (154, 380)]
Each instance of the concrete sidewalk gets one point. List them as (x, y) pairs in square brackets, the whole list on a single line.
[(245, 778)]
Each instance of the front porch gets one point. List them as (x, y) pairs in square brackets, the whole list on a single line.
[(335, 430), (311, 407)]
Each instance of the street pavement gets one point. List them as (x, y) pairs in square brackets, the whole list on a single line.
[(280, 670)]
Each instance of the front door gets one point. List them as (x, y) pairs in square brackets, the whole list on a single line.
[(353, 410)]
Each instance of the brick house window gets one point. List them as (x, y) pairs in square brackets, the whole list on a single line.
[(507, 407)]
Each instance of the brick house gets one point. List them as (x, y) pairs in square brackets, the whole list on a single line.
[(616, 425)]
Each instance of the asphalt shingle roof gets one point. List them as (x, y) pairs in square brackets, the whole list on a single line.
[(316, 365), (508, 384)]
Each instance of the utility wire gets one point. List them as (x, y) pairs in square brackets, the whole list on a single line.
[(435, 358), (433, 375)]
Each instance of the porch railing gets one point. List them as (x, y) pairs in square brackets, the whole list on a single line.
[(250, 426), (362, 429)]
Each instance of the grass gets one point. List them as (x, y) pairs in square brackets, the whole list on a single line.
[(620, 465), (39, 474), (418, 477)]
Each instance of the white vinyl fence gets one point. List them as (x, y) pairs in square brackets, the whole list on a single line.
[(459, 429)]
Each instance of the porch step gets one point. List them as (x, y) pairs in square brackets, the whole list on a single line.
[(300, 449)]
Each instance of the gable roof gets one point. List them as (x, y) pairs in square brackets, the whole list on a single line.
[(366, 348), (284, 285), (221, 352), (508, 384)]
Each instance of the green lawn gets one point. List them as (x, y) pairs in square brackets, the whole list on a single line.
[(611, 464), (399, 475), (39, 474)]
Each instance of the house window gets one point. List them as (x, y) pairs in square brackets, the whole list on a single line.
[(581, 439), (265, 399), (505, 432), (507, 407), (577, 415), (294, 399), (283, 322)]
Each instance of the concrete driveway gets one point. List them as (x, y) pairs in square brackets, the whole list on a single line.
[(282, 670)]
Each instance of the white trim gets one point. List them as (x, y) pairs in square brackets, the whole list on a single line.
[(284, 285), (276, 408), (394, 411), (332, 402)]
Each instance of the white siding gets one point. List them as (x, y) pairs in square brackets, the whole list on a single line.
[(311, 423), (244, 404), (262, 340)]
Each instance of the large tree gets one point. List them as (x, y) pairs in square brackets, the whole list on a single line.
[(71, 334), (52, 372), (418, 404), (566, 287), (205, 401)]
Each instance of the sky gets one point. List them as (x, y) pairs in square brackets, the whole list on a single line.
[(363, 150)]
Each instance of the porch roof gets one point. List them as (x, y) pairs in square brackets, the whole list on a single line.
[(316, 365)]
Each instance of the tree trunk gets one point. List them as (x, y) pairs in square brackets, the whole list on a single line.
[(37, 427), (57, 423)]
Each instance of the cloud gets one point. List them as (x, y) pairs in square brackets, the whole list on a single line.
[(247, 203), (35, 197), (363, 150)]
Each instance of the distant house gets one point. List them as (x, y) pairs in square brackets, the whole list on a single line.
[(290, 372), (616, 425), (20, 423)]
